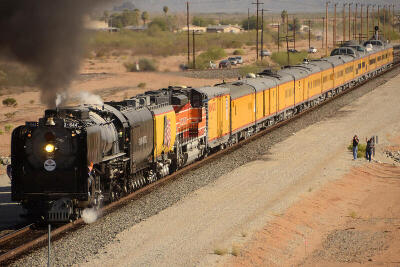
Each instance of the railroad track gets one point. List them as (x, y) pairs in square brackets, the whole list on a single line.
[(33, 236)]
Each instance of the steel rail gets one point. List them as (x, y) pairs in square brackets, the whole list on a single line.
[(148, 188)]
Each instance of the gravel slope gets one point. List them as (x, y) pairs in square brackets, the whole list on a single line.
[(86, 242)]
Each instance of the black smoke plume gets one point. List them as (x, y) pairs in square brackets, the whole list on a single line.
[(46, 35)]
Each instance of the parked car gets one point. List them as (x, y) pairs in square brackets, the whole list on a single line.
[(312, 50), (292, 50), (239, 60), (233, 60), (265, 53), (225, 64)]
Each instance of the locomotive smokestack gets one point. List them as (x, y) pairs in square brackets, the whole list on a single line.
[(46, 35)]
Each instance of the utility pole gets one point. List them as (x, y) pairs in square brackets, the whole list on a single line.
[(334, 26), (194, 51), (361, 35), (344, 22), (248, 19), (384, 21), (323, 32), (393, 17), (188, 33), (350, 20), (262, 33), (287, 24), (287, 50), (309, 34), (257, 7), (379, 17), (355, 23), (368, 20), (326, 27), (294, 33), (279, 37)]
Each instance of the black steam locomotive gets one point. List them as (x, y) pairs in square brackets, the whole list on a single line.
[(78, 157)]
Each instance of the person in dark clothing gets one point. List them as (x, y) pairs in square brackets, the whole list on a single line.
[(355, 146), (369, 148)]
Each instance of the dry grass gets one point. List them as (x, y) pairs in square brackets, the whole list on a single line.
[(220, 251), (353, 215), (235, 250)]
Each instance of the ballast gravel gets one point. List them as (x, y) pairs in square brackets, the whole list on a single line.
[(76, 246)]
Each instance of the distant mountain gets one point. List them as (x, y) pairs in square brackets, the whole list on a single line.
[(234, 6)]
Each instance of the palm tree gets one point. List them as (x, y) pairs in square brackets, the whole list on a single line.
[(165, 9), (145, 16)]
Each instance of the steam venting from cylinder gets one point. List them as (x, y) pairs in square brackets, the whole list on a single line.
[(46, 35)]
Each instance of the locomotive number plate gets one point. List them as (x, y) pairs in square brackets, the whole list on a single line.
[(50, 165)]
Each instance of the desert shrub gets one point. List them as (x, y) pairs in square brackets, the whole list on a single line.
[(362, 148), (101, 52), (294, 58), (8, 128), (31, 101), (238, 52), (145, 64), (156, 42), (212, 54), (235, 250), (10, 115), (142, 85), (249, 69), (220, 251), (10, 102), (1, 132)]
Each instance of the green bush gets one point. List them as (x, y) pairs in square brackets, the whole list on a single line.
[(145, 64), (249, 69), (8, 128), (10, 102), (362, 148), (212, 54), (238, 52), (10, 115), (281, 58)]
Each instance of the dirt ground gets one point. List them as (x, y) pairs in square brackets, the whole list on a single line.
[(352, 221), (304, 203)]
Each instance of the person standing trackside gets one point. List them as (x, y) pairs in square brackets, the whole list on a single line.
[(369, 148), (355, 146)]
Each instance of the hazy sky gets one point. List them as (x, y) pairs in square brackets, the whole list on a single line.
[(231, 6)]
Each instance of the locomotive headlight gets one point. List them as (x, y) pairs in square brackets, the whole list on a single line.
[(49, 148)]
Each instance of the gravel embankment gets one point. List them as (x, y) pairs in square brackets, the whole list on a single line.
[(77, 246), (351, 246), (211, 74)]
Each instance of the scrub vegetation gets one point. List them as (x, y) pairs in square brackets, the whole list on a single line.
[(281, 58), (362, 148)]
